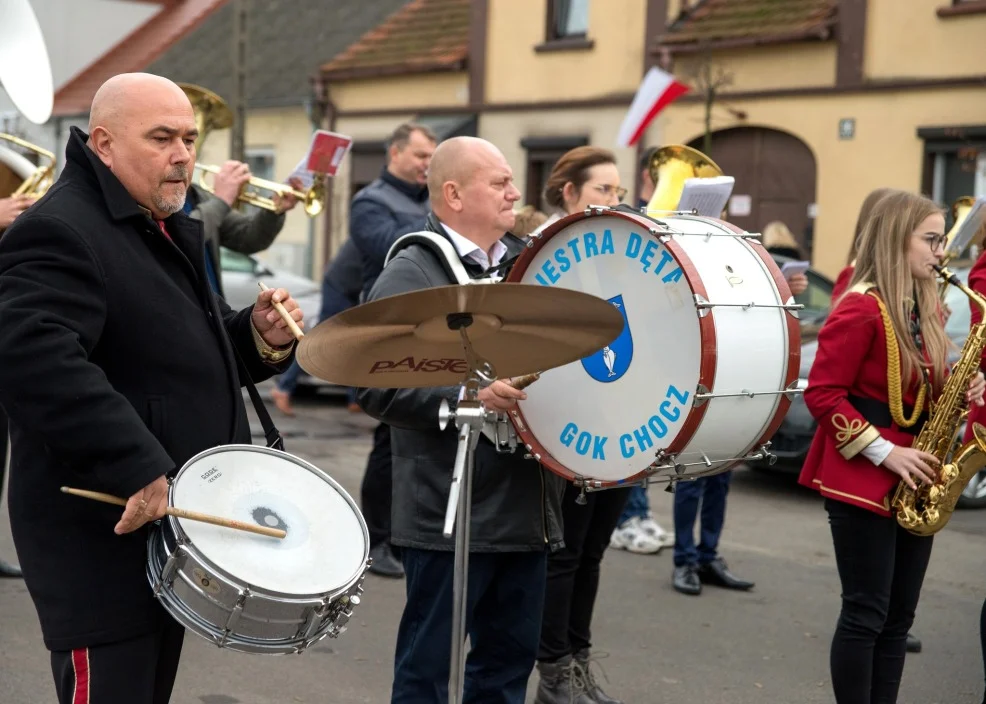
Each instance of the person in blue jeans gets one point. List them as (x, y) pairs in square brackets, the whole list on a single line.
[(701, 564), (341, 287), (637, 531)]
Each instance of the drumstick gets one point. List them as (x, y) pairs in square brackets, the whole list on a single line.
[(292, 326), (522, 382), (182, 513)]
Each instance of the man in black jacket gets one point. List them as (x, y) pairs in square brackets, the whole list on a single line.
[(392, 205), (516, 503), (116, 366)]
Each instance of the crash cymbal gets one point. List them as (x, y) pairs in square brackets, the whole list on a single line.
[(404, 341)]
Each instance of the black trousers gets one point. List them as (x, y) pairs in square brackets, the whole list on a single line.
[(882, 569), (141, 670), (375, 490), (982, 638), (573, 572)]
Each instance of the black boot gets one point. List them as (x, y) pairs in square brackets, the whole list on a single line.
[(582, 660), (384, 563), (913, 643), (9, 570), (561, 683)]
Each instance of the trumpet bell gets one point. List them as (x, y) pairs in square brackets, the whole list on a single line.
[(669, 167), (313, 199), (211, 111)]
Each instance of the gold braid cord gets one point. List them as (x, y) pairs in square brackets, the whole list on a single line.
[(894, 381)]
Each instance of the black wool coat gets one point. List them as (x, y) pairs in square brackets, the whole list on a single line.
[(116, 367)]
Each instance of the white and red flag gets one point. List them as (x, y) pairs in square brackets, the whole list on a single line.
[(658, 90)]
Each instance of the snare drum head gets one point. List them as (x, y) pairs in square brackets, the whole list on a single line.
[(326, 545), (606, 416)]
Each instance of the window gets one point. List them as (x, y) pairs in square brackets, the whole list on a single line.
[(261, 163), (954, 164), (567, 18), (542, 154), (566, 25)]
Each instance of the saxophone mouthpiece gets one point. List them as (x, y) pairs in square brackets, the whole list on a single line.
[(948, 275)]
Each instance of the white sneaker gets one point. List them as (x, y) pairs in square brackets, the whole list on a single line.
[(654, 530), (631, 537)]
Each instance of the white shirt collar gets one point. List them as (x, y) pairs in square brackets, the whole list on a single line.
[(468, 249)]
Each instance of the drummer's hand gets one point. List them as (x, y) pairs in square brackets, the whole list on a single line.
[(269, 322), (148, 504), (501, 396)]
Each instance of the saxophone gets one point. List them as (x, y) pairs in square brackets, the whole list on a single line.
[(926, 510)]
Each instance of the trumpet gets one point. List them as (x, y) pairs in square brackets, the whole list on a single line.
[(313, 198)]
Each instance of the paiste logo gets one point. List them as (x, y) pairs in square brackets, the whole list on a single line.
[(424, 364)]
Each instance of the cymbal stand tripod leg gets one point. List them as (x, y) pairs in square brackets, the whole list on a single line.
[(469, 417)]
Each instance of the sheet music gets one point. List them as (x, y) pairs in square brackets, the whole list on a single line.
[(707, 196)]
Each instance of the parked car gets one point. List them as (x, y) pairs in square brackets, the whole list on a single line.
[(241, 274), (791, 441)]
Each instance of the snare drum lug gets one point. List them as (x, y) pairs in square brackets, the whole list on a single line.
[(234, 616), (175, 560), (580, 499)]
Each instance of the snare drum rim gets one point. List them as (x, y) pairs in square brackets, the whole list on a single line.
[(707, 338), (182, 537)]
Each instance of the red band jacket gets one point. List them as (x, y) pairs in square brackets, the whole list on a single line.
[(977, 282), (851, 361)]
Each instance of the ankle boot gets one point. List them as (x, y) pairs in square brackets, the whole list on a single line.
[(561, 683), (595, 692)]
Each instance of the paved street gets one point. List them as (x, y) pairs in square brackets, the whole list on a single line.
[(769, 645)]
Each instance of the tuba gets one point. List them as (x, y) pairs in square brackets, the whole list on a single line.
[(212, 113), (18, 175), (669, 167)]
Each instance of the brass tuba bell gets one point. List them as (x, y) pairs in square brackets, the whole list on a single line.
[(33, 180), (669, 167), (211, 111)]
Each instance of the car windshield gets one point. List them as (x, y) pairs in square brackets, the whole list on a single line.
[(235, 261)]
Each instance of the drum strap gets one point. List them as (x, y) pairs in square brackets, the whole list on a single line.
[(271, 434)]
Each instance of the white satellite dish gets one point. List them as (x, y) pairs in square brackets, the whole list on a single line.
[(25, 71)]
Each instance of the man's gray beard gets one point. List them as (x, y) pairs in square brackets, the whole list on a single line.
[(168, 205)]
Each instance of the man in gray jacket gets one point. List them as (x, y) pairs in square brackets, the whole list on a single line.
[(515, 503), (225, 226)]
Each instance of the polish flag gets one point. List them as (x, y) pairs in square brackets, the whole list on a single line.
[(656, 91)]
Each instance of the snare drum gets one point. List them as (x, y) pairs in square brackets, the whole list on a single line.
[(699, 378), (249, 592)]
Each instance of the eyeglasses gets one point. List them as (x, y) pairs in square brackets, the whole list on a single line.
[(934, 241), (607, 189)]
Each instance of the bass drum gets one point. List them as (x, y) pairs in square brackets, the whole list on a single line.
[(699, 378)]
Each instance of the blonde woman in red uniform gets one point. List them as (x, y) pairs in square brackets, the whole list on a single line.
[(881, 358)]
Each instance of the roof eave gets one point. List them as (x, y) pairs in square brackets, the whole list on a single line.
[(388, 70), (666, 43)]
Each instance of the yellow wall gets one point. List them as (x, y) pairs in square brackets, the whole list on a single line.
[(886, 150), (797, 65), (506, 129), (422, 90), (287, 132), (905, 38), (516, 73)]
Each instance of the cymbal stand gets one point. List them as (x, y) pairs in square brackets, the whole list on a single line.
[(469, 416)]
